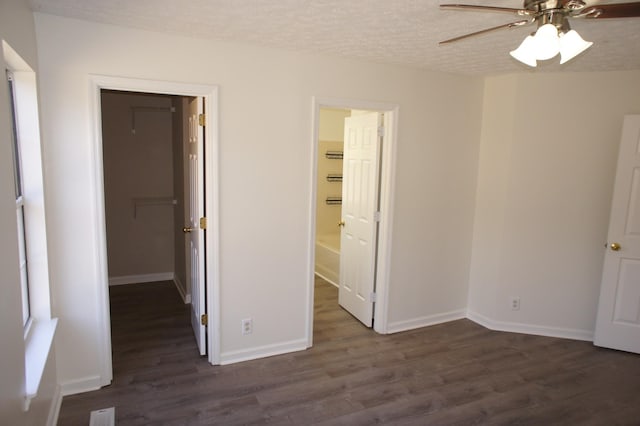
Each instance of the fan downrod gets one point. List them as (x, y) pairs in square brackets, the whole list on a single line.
[(542, 5)]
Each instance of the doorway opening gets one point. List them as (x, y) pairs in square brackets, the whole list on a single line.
[(149, 198), (352, 198), (143, 161)]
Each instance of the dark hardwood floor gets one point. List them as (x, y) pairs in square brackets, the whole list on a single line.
[(457, 373)]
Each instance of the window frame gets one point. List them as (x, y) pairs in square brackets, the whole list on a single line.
[(20, 208), (40, 331)]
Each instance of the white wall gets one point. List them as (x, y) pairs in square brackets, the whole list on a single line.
[(547, 165), (265, 209), (437, 160), (17, 29)]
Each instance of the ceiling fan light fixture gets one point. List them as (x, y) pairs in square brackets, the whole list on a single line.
[(554, 34), (571, 45), (525, 53), (547, 43)]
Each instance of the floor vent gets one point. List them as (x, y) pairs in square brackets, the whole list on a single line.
[(104, 417)]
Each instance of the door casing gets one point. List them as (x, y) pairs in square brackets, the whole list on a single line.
[(210, 95), (387, 184)]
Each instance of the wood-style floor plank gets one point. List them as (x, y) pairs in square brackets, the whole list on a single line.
[(457, 373)]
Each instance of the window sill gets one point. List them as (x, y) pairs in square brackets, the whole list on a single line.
[(38, 345)]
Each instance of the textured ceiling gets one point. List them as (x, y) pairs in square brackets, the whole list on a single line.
[(390, 31)]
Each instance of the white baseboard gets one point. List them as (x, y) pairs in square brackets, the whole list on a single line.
[(85, 384), (539, 330), (54, 409), (141, 278), (186, 297), (512, 327), (398, 326), (262, 351)]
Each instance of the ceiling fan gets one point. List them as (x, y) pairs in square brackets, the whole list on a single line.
[(553, 34)]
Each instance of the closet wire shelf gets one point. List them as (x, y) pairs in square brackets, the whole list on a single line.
[(334, 155), (334, 200)]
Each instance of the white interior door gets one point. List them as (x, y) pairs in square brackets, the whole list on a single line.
[(359, 208), (618, 323), (195, 211)]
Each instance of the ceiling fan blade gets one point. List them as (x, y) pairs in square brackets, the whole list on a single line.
[(499, 27), (520, 12), (616, 10)]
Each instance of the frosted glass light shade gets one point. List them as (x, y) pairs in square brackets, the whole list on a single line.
[(526, 52), (571, 45), (547, 44)]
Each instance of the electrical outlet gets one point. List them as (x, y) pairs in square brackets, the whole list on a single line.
[(247, 326), (515, 303), (104, 417)]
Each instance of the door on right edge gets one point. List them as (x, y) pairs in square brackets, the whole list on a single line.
[(195, 235), (358, 239), (618, 323)]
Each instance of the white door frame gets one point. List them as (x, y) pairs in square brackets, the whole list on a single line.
[(210, 95), (387, 184)]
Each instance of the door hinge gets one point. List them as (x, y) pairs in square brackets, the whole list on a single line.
[(373, 296), (376, 216), (203, 223), (204, 319), (381, 131), (202, 118)]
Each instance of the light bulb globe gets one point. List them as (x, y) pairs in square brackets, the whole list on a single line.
[(571, 45), (525, 53), (547, 44)]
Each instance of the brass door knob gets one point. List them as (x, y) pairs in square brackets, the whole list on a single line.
[(187, 229), (341, 223), (615, 246)]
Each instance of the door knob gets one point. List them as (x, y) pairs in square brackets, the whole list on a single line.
[(615, 246), (341, 223), (187, 229)]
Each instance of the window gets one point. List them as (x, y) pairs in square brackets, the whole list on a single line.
[(22, 242), (39, 326)]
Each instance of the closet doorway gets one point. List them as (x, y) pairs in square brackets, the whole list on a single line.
[(159, 199), (154, 194)]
